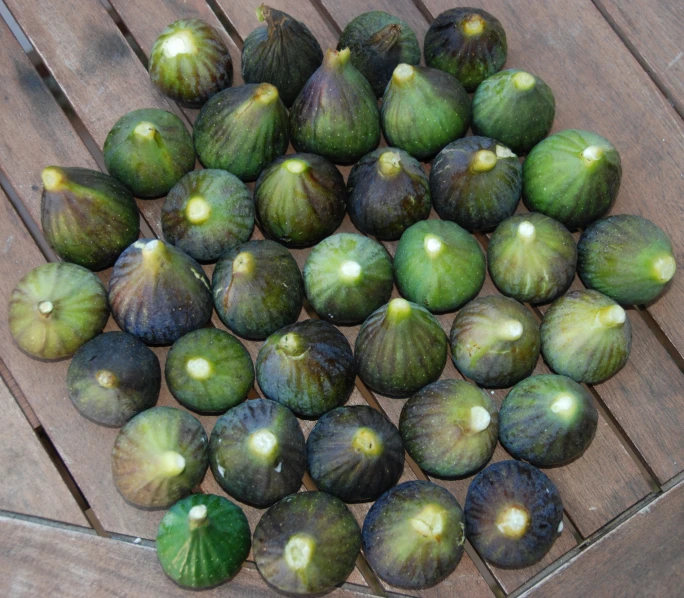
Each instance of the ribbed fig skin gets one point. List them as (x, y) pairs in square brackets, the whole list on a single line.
[(190, 63), (626, 257), (471, 57), (561, 182), (284, 53), (241, 130)]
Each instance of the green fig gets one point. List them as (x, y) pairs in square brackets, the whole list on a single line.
[(242, 130), (284, 53), (388, 191), (336, 113), (515, 108), (112, 378), (468, 43), (573, 176), (626, 257), (423, 110), (439, 265), (56, 308), (495, 341), (149, 151), (586, 336)]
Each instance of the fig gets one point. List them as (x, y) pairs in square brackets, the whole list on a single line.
[(449, 428), (423, 110), (515, 108), (308, 367), (196, 527), (413, 535), (586, 336), (336, 113), (626, 257), (573, 176), (257, 289), (495, 341), (158, 293), (209, 371), (207, 213), (56, 308), (300, 199), (532, 258), (149, 151), (400, 348), (439, 265), (379, 42), (284, 53), (190, 63), (388, 191), (513, 514), (476, 182), (257, 452), (112, 378), (159, 456), (88, 217), (355, 453), (547, 420), (307, 543), (347, 277), (241, 130), (468, 43)]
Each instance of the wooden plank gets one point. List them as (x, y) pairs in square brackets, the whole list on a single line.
[(644, 556)]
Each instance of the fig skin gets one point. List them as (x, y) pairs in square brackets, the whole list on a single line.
[(476, 182), (257, 452), (400, 348), (495, 341), (468, 43), (209, 371), (379, 42), (198, 525), (257, 289), (112, 378), (56, 308), (450, 428), (586, 336), (515, 108), (439, 265), (336, 114), (308, 367), (347, 277), (547, 420), (307, 543), (189, 62), (355, 453), (388, 191), (284, 53), (532, 258), (87, 217), (423, 110), (242, 130), (413, 535), (512, 485), (158, 293), (159, 456), (300, 199), (149, 151), (207, 213), (627, 258)]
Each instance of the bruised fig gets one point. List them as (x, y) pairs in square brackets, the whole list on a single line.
[(159, 456), (336, 113), (88, 217)]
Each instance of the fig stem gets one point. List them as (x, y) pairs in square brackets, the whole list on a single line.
[(350, 271), (483, 161), (664, 268), (398, 309), (335, 59), (197, 210), (385, 39), (263, 443), (611, 316), (523, 81), (511, 330), (198, 368), (473, 25), (145, 130), (503, 152), (433, 245), (479, 419), (291, 344), (52, 177), (403, 73), (197, 516), (389, 163), (179, 42), (367, 442), (429, 523), (243, 263), (106, 379), (299, 551), (45, 308), (592, 154), (295, 166), (526, 231), (513, 522), (171, 464), (563, 404), (266, 94), (259, 12)]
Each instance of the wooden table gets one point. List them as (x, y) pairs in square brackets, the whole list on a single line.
[(615, 66)]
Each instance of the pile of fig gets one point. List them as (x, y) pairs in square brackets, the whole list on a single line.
[(334, 108)]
